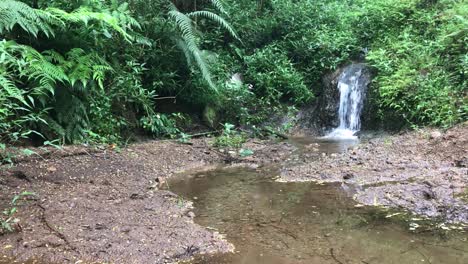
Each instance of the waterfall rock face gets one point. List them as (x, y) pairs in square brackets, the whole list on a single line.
[(340, 103), (345, 97)]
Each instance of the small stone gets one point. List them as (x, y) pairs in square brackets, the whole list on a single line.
[(429, 194), (435, 135), (191, 214)]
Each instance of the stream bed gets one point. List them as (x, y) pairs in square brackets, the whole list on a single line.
[(284, 223)]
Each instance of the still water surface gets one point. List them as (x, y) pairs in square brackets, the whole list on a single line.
[(287, 223)]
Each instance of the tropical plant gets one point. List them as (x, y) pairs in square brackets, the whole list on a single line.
[(229, 138), (188, 38), (8, 220)]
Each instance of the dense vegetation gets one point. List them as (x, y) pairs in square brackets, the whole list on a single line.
[(101, 70)]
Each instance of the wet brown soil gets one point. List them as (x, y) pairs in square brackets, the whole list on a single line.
[(116, 206), (101, 206), (424, 172)]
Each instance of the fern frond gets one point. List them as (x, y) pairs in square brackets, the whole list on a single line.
[(183, 46), (9, 89), (188, 37), (31, 20), (84, 67), (184, 23), (218, 4), (217, 19), (84, 15)]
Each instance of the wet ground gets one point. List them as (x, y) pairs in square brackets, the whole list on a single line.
[(284, 223), (111, 205), (114, 206), (424, 172)]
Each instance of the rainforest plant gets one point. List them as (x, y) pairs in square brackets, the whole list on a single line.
[(105, 70), (64, 89)]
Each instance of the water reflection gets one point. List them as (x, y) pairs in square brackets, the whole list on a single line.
[(272, 222)]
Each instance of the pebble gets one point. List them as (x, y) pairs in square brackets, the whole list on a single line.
[(435, 135), (191, 214)]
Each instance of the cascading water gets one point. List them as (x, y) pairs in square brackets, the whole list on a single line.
[(352, 85)]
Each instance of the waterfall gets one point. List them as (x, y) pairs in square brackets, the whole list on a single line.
[(352, 84)]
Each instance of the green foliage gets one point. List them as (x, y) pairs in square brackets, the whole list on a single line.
[(245, 152), (89, 81), (421, 63), (8, 219), (97, 71), (416, 46), (238, 102), (15, 13), (275, 77), (188, 41), (184, 138), (159, 125), (229, 138)]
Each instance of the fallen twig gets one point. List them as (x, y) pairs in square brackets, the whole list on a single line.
[(51, 228), (332, 253)]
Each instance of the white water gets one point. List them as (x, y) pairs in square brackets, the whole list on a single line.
[(352, 85)]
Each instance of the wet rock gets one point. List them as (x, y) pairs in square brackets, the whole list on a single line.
[(328, 110), (348, 176)]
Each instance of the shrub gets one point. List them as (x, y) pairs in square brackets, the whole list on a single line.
[(274, 77)]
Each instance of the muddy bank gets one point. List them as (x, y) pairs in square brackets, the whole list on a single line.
[(113, 206), (424, 172)]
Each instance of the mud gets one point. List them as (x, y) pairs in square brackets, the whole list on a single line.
[(424, 172), (114, 206), (101, 206)]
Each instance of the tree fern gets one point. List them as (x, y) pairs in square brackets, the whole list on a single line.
[(218, 4), (214, 17), (188, 39), (189, 46)]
